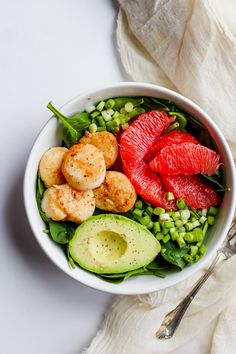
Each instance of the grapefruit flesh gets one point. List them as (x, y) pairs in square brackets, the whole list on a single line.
[(168, 139), (136, 141), (149, 186), (192, 190), (186, 159)]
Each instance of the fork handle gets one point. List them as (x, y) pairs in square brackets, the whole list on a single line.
[(173, 318)]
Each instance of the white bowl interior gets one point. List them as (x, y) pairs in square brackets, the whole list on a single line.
[(50, 136)]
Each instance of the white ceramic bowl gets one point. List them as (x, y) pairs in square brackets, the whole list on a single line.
[(50, 136)]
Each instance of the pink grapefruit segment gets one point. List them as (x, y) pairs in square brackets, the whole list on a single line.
[(149, 186), (192, 190), (186, 159), (140, 136), (135, 143), (168, 139)]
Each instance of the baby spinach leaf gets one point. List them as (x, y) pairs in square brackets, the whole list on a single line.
[(173, 254), (61, 232), (70, 259), (214, 179), (40, 188), (121, 101), (135, 112), (180, 118), (74, 126), (119, 277)]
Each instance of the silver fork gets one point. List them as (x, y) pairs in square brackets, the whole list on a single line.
[(173, 318)]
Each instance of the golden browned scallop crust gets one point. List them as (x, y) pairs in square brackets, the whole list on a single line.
[(61, 202), (115, 194), (50, 166), (106, 142), (84, 167)]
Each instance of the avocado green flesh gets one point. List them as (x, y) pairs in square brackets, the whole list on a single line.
[(110, 243)]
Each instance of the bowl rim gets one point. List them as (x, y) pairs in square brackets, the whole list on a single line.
[(105, 286)]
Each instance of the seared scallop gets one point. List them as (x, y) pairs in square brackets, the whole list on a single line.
[(61, 202), (84, 167), (106, 142), (50, 166), (115, 194)]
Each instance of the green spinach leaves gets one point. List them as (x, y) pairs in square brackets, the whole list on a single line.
[(73, 127)]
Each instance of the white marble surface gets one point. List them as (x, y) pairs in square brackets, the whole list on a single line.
[(49, 50)]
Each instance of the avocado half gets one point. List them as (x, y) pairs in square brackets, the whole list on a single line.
[(110, 243)]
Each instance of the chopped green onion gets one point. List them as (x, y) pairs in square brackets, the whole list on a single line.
[(149, 225), (138, 204), (180, 204), (194, 236), (101, 121), (95, 114), (185, 214), (181, 229), (205, 228), (93, 128), (123, 111), (188, 258), (145, 220), (166, 238), (165, 231), (170, 196), (168, 224), (182, 234), (202, 219), (125, 126), (172, 127), (213, 211), (178, 223), (149, 210), (101, 129), (174, 235), (164, 217), (116, 122), (122, 118), (193, 250), (204, 212), (211, 220), (202, 250), (158, 211), (110, 126), (110, 111), (129, 107), (159, 236), (196, 223), (100, 106), (110, 103), (189, 237), (189, 226), (137, 214), (116, 115), (116, 129), (90, 108), (176, 215), (106, 116), (156, 227), (181, 242)]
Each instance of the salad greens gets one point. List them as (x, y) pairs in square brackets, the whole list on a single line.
[(74, 127), (180, 233)]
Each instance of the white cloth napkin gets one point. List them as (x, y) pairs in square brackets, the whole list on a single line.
[(188, 46), (208, 326)]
